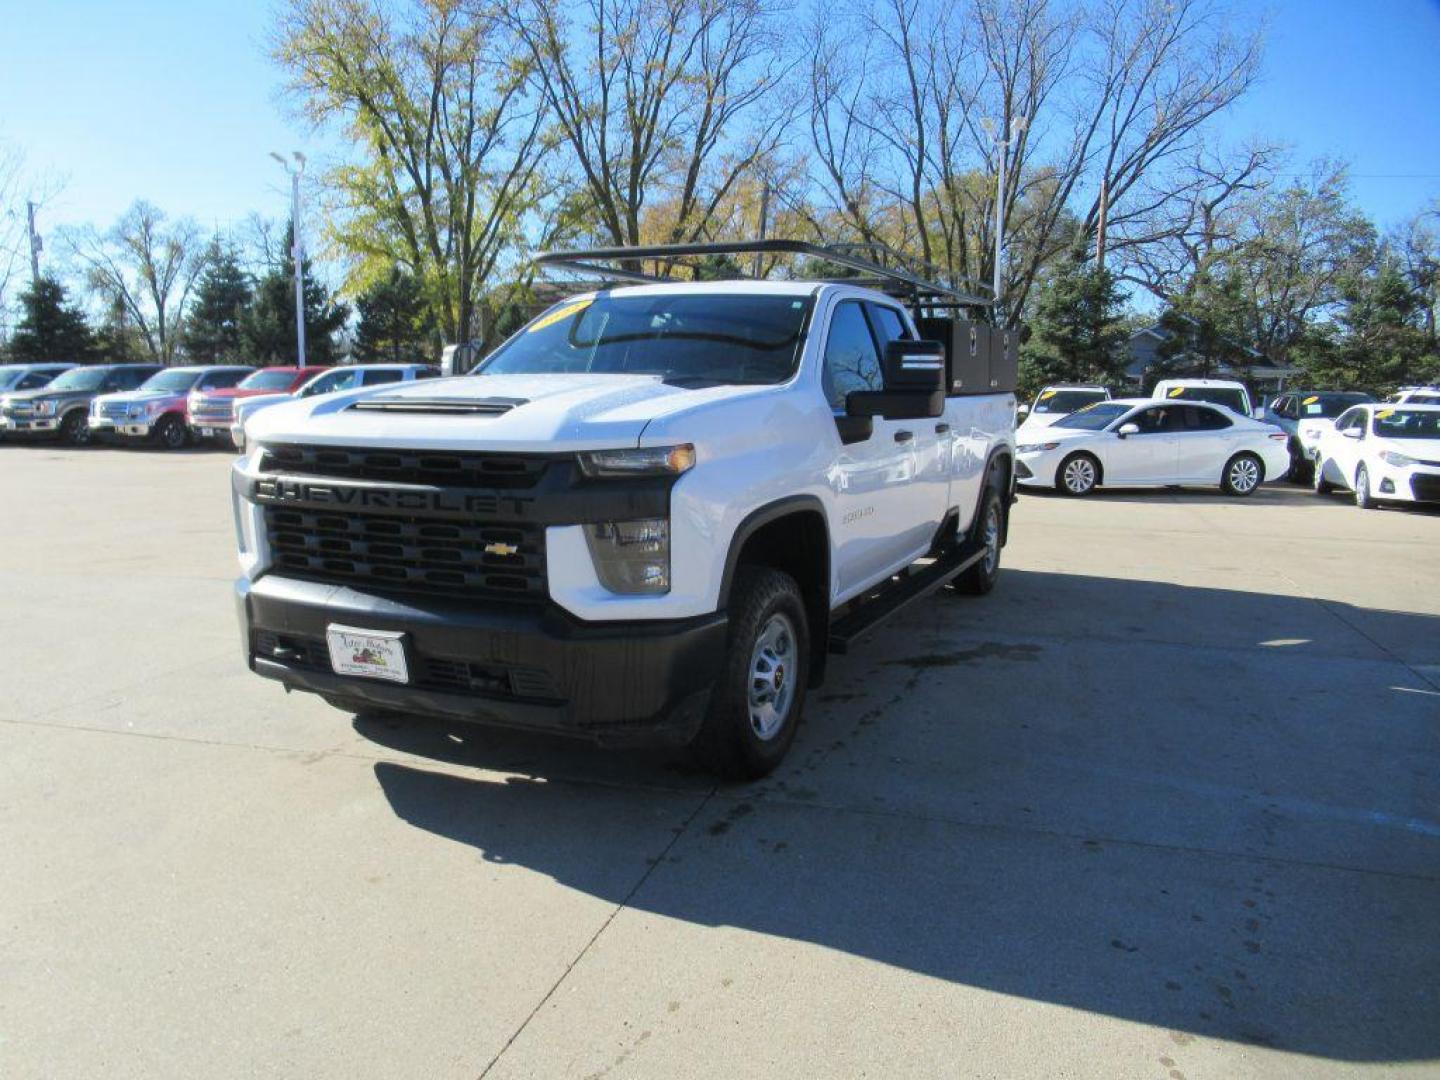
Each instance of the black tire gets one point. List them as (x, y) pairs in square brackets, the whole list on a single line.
[(736, 741), (1298, 472), (1364, 498), (1243, 475), (987, 534), (1318, 483), (75, 429), (1078, 475), (170, 434)]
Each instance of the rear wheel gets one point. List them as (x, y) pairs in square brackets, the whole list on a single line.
[(1243, 474), (74, 429), (987, 535), (755, 706), (1078, 474)]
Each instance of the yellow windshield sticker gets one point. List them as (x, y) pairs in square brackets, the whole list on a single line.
[(1047, 395), (558, 314), (1087, 408), (1384, 414), (1311, 399), (1177, 391)]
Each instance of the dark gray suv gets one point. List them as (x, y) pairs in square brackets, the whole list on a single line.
[(60, 410)]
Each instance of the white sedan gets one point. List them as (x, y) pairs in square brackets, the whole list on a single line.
[(1383, 453), (1142, 442)]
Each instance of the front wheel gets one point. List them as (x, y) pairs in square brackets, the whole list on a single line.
[(1078, 475), (75, 429), (171, 433), (756, 703), (989, 529), (1363, 497), (1243, 474)]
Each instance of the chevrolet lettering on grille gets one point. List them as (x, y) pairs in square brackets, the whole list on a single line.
[(283, 492)]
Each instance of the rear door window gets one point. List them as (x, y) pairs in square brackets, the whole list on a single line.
[(375, 378), (1197, 418)]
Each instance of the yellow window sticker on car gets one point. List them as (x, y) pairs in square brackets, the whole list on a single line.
[(1311, 399), (558, 314), (1047, 395), (1384, 414), (1177, 391)]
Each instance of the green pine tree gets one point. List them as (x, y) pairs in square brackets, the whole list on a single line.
[(1204, 328), (267, 329), (1077, 330), (51, 328), (1379, 341), (397, 326), (224, 292)]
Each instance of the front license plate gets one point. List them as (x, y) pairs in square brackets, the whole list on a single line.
[(206, 432), (374, 654)]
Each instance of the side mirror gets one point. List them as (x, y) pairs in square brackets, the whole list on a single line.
[(914, 377), (1353, 433), (1023, 410), (1124, 431)]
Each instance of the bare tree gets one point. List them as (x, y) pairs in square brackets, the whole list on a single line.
[(145, 266), (663, 104), (450, 140)]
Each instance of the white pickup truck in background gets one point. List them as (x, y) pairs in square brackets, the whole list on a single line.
[(649, 515)]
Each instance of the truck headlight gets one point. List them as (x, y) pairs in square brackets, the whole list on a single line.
[(645, 461), (631, 557), (45, 408), (1400, 461)]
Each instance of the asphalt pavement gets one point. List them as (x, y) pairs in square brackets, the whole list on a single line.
[(1165, 804)]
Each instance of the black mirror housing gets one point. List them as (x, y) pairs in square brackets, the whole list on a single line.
[(896, 404), (914, 365)]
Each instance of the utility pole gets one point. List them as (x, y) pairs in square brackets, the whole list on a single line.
[(36, 245), (764, 225), (1002, 146), (297, 249)]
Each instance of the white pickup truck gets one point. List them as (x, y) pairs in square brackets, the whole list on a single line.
[(648, 516)]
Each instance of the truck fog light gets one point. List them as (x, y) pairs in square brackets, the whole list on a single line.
[(631, 557)]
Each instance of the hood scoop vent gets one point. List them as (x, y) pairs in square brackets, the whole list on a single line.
[(494, 406)]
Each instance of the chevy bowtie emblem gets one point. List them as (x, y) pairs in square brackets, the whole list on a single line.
[(501, 549)]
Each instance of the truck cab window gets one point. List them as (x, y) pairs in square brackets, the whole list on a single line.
[(851, 359)]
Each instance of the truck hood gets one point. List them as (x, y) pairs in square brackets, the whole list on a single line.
[(229, 392), (518, 412), (127, 396), (18, 396)]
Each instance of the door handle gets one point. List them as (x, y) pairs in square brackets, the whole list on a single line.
[(904, 436), (942, 429)]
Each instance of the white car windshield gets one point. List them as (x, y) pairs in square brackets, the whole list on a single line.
[(1329, 406), (1052, 402), (1407, 424), (694, 339), (1094, 417)]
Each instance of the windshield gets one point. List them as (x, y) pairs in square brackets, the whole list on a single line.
[(1228, 396), (1330, 405), (1059, 402), (1407, 424), (696, 339), (10, 376), (172, 381), (1094, 417), (80, 379), (268, 380), (330, 382)]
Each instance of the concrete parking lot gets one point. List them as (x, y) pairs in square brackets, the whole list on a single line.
[(1166, 804)]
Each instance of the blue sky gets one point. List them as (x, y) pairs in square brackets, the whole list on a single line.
[(175, 101)]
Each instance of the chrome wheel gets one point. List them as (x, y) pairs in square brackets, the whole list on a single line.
[(992, 539), (1079, 475), (773, 668), (1244, 475)]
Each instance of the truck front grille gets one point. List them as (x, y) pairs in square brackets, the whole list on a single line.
[(212, 413), (114, 410), (441, 468), (409, 553)]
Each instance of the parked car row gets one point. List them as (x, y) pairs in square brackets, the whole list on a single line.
[(167, 407)]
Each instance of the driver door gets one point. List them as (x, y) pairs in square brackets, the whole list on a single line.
[(875, 480), (1148, 457)]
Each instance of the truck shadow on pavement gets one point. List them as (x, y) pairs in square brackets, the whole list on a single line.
[(1210, 811)]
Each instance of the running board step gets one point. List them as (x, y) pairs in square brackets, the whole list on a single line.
[(897, 594)]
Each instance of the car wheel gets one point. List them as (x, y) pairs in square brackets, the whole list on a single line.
[(74, 429), (1296, 472), (1363, 498), (171, 434), (1243, 474), (1318, 483), (987, 535), (756, 703), (1078, 474)]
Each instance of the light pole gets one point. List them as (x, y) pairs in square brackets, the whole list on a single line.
[(1002, 146), (297, 250)]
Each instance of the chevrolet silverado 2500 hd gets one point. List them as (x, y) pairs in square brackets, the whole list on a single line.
[(648, 516)]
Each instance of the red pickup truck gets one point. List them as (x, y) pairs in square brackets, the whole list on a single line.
[(210, 413)]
